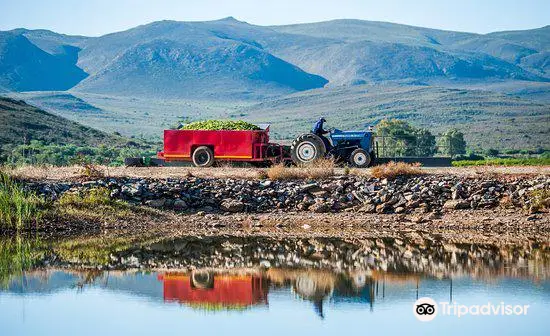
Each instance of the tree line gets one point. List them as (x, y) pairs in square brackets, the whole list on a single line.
[(398, 138)]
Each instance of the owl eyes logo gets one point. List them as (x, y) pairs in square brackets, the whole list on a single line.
[(425, 309)]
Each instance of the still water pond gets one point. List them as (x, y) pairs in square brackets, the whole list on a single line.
[(263, 301)]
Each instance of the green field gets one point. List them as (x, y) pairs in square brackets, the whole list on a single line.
[(488, 119), (504, 162)]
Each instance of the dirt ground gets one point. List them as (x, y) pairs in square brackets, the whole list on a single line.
[(495, 227), (74, 172)]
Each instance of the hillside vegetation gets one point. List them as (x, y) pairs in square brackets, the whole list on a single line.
[(488, 119), (31, 135), (22, 123)]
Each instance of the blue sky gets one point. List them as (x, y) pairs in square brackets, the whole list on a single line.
[(97, 17)]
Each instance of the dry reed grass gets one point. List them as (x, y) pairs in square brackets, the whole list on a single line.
[(319, 169), (392, 170)]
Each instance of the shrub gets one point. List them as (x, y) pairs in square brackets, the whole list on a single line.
[(399, 138), (452, 142), (539, 199), (492, 152), (91, 170), (393, 169), (38, 153), (96, 196), (17, 206)]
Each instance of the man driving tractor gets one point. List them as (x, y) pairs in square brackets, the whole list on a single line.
[(320, 132), (354, 147)]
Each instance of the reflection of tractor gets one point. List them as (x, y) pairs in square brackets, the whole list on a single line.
[(318, 286), (354, 147), (209, 290)]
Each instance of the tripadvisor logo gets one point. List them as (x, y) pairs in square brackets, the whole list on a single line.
[(426, 309)]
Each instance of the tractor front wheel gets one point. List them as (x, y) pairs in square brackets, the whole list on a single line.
[(203, 157), (307, 148), (360, 158)]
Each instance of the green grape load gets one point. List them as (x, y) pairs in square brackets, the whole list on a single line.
[(217, 125)]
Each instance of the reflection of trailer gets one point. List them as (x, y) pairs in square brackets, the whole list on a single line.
[(205, 147), (209, 289)]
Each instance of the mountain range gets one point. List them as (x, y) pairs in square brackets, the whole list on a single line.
[(238, 65), (230, 58)]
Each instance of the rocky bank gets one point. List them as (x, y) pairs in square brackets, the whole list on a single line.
[(411, 194)]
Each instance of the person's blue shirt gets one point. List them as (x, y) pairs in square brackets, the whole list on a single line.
[(318, 128)]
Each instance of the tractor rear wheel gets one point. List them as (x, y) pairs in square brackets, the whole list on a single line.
[(360, 158), (203, 157), (307, 148)]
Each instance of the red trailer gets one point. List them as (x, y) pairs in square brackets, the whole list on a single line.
[(204, 147)]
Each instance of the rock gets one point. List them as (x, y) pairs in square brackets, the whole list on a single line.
[(456, 204), (266, 183), (320, 207), (156, 203), (320, 193), (383, 208), (232, 206), (308, 187), (418, 219), (434, 215), (180, 204), (369, 208)]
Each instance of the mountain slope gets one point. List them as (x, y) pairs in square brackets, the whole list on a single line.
[(368, 49), (488, 119), (230, 59), (22, 123), (183, 59), (25, 67), (171, 69)]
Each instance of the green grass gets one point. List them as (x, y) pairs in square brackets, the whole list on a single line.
[(94, 197), (504, 162), (17, 206)]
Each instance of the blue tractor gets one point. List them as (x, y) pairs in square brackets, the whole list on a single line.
[(353, 147)]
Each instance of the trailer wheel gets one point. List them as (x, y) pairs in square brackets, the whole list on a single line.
[(307, 148), (360, 158), (203, 157)]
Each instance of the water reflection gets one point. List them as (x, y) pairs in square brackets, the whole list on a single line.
[(211, 291), (219, 290), (239, 301)]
